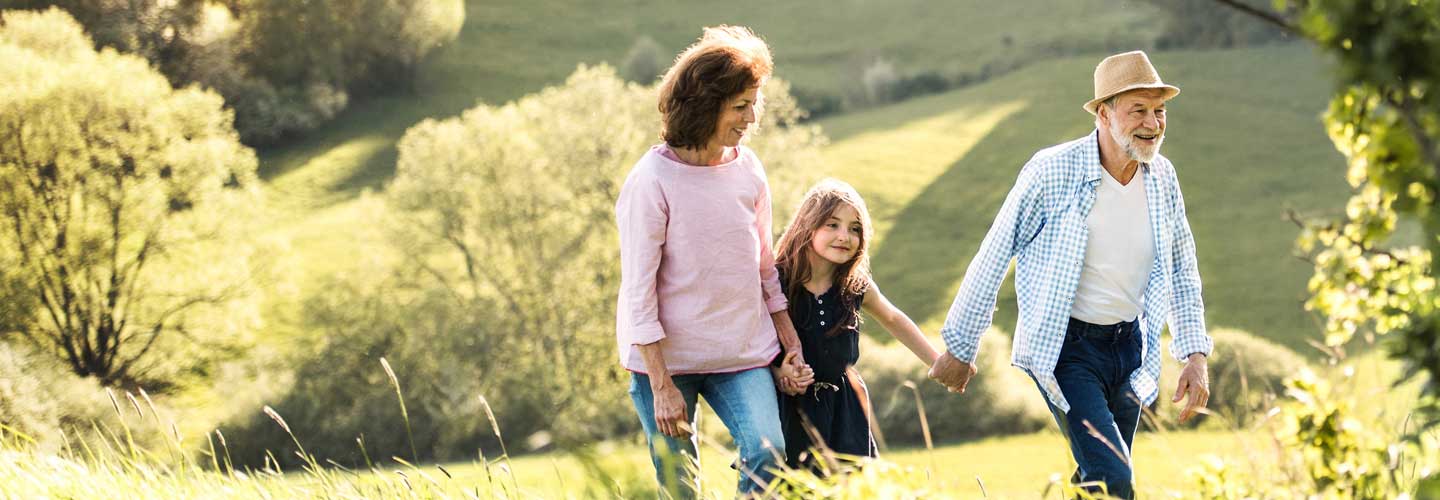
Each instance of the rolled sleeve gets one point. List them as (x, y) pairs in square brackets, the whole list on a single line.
[(642, 215), (769, 277)]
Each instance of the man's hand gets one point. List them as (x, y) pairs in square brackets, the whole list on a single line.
[(951, 372), (1194, 381), (794, 376), (791, 378), (670, 415)]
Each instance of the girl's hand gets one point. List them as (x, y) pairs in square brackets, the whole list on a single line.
[(784, 381), (793, 378), (802, 376)]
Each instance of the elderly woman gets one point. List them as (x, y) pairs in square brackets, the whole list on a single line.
[(701, 312)]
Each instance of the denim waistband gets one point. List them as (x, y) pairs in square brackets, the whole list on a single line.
[(1093, 331)]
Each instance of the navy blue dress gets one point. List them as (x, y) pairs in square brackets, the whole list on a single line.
[(831, 405)]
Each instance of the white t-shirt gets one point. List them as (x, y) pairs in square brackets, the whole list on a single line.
[(1118, 253)]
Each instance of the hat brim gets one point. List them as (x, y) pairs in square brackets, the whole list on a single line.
[(1170, 92)]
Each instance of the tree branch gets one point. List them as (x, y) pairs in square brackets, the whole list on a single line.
[(1270, 17), (1409, 110)]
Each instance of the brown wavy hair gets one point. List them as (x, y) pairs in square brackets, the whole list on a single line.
[(793, 251), (726, 61)]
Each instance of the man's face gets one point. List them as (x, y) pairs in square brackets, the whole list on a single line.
[(1137, 123)]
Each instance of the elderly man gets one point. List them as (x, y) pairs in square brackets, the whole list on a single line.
[(1105, 259)]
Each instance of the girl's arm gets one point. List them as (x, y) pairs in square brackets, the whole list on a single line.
[(899, 325)]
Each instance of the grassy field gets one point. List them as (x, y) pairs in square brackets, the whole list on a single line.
[(1023, 466), (1009, 467)]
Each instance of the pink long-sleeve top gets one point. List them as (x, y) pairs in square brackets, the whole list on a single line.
[(697, 272)]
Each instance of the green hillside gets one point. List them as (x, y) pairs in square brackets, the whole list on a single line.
[(510, 48), (935, 171)]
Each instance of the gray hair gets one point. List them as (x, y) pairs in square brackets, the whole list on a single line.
[(1110, 102)]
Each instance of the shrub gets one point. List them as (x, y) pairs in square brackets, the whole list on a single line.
[(1000, 400), (928, 82), (644, 62), (879, 81), (1247, 376), (285, 67), (42, 399)]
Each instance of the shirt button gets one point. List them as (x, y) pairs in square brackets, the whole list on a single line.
[(822, 313), (822, 323), (822, 301)]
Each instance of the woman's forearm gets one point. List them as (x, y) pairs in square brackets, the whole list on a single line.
[(655, 365), (786, 331)]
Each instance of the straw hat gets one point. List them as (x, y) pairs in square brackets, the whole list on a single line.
[(1125, 72)]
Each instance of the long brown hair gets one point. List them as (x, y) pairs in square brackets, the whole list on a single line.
[(792, 253)]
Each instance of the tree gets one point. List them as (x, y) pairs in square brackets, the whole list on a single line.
[(125, 206), (644, 62), (161, 31), (284, 67), (1199, 24), (1385, 119)]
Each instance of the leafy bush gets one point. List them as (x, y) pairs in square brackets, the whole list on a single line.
[(285, 67), (42, 399), (1324, 451), (1000, 400), (878, 82), (644, 62), (1247, 377)]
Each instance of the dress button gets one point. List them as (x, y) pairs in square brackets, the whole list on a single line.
[(822, 301), (822, 313), (822, 323)]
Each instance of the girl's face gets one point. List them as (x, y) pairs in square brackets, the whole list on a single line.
[(736, 117), (838, 238)]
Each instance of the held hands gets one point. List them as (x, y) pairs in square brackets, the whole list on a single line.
[(793, 376), (1194, 381), (951, 372)]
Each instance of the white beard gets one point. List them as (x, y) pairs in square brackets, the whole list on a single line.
[(1142, 154)]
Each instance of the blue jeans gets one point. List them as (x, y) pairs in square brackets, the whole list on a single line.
[(746, 403), (1094, 374)]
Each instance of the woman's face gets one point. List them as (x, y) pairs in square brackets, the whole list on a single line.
[(736, 118)]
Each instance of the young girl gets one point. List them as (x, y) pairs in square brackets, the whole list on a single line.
[(824, 269)]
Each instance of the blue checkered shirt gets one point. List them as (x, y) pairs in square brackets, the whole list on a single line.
[(1042, 226)]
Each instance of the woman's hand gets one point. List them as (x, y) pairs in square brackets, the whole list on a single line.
[(793, 377), (670, 414)]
